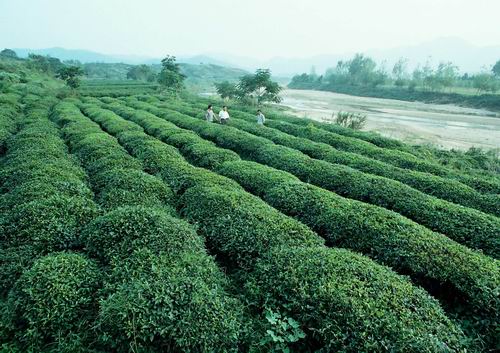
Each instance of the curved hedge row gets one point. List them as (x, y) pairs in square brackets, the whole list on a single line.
[(57, 299), (485, 185), (446, 189), (352, 224), (46, 205), (249, 234), (163, 290), (10, 109), (448, 269), (467, 226), (372, 137)]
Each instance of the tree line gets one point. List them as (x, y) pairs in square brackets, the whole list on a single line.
[(363, 71)]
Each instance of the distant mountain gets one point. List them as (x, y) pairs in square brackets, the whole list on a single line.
[(85, 56), (468, 57), (198, 76)]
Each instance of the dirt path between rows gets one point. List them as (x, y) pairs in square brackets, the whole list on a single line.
[(445, 126)]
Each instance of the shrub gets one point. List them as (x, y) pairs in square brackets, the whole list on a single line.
[(381, 234), (133, 187), (49, 224), (394, 157), (14, 260), (240, 226), (446, 189), (358, 306), (42, 188), (480, 231), (55, 302), (207, 155), (116, 233), (166, 304)]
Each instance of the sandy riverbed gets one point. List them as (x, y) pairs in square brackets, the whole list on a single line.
[(445, 126)]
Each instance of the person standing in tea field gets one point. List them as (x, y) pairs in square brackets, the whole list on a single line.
[(261, 119), (209, 115), (224, 115)]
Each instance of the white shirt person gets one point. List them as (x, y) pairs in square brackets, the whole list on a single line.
[(261, 119), (223, 115)]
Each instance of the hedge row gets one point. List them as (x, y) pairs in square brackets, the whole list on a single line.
[(467, 226), (404, 245), (446, 189), (46, 205), (253, 237), (371, 137), (163, 291), (482, 184), (401, 157), (10, 109)]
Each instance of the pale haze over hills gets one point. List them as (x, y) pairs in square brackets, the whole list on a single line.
[(288, 36), (468, 57)]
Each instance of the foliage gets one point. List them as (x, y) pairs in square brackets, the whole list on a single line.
[(350, 120), (45, 64), (135, 227), (70, 74), (170, 76), (227, 90), (8, 53), (282, 331), (160, 303), (259, 87), (496, 69), (174, 189), (141, 73), (485, 82), (54, 303)]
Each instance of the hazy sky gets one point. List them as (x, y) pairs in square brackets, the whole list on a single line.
[(257, 28)]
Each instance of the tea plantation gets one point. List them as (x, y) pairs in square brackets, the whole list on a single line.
[(130, 224)]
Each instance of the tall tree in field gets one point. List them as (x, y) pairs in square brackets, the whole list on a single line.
[(399, 72), (496, 69), (259, 87), (70, 74), (226, 90), (485, 82), (170, 76)]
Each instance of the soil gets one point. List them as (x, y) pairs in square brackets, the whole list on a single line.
[(443, 126)]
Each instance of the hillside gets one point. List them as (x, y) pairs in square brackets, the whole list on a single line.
[(131, 224), (469, 58), (198, 77)]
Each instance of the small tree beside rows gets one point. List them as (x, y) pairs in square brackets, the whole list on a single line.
[(255, 88)]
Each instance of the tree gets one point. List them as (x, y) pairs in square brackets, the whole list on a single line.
[(8, 53), (485, 82), (227, 90), (399, 72), (259, 87), (170, 75), (362, 69), (45, 64), (496, 69), (141, 73), (70, 74), (446, 74)]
